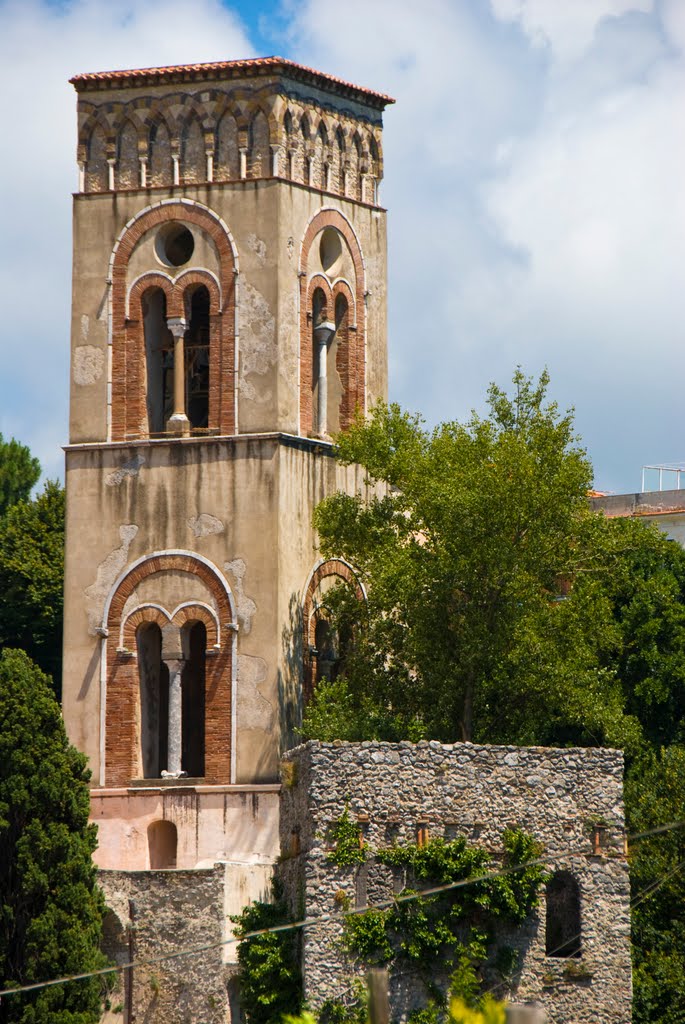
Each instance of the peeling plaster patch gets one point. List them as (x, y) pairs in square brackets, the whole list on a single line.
[(89, 362), (205, 525), (130, 468), (85, 326), (254, 710), (258, 247), (246, 607), (258, 348), (107, 572)]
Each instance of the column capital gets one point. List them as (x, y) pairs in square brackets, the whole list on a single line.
[(177, 325)]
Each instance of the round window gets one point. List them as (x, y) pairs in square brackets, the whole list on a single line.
[(330, 251), (174, 244)]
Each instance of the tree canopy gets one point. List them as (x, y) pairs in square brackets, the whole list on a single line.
[(501, 608), (50, 907), (32, 578), (19, 472), (486, 616)]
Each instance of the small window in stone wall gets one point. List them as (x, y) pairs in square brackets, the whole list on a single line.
[(563, 935)]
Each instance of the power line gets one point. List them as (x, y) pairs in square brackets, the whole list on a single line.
[(322, 918)]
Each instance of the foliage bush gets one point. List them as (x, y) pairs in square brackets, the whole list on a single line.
[(50, 906), (270, 979)]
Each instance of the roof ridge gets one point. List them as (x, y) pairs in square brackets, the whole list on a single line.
[(320, 77)]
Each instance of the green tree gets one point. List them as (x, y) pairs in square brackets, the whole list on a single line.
[(32, 578), (19, 472), (50, 907), (655, 797), (645, 584), (467, 549)]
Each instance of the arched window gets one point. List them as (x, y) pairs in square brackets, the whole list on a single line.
[(159, 358), (154, 700), (319, 362), (193, 689), (196, 359), (341, 401), (162, 841), (562, 935)]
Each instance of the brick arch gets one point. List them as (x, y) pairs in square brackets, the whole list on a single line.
[(335, 567), (189, 280), (346, 334), (129, 403), (199, 613), (355, 394), (144, 284), (129, 626), (122, 692), (322, 282)]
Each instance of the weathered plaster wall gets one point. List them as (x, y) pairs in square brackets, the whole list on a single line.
[(246, 506), (213, 823), (267, 220), (475, 791)]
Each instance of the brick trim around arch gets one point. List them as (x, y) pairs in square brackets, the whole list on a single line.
[(122, 714), (331, 567), (129, 385), (355, 385)]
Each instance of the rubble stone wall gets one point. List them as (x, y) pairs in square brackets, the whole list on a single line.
[(155, 913), (569, 799)]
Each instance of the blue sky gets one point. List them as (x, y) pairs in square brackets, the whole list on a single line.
[(534, 181)]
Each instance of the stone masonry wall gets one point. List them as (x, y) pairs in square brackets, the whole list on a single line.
[(557, 795), (153, 913)]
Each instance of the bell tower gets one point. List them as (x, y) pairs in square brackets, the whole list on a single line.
[(228, 317)]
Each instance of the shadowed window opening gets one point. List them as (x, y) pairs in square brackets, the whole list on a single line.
[(327, 654), (159, 357), (162, 841), (193, 690), (319, 315), (154, 700), (562, 937), (196, 358), (174, 244)]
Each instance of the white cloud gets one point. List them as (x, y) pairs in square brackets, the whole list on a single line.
[(536, 210), (535, 193), (568, 27), (41, 46)]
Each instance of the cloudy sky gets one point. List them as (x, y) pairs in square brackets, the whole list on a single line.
[(535, 180)]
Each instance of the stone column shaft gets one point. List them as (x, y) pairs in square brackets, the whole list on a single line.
[(175, 729)]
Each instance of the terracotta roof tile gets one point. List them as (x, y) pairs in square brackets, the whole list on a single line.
[(230, 69)]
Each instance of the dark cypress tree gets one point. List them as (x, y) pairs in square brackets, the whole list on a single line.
[(50, 906)]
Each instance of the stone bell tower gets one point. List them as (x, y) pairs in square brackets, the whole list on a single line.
[(229, 293)]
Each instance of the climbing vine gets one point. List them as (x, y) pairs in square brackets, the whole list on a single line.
[(450, 934), (348, 843)]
